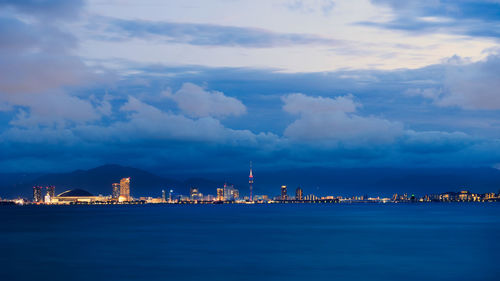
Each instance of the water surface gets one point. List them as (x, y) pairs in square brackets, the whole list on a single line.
[(251, 242)]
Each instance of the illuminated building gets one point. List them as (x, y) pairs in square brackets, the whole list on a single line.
[(170, 195), (163, 196), (37, 194), (250, 182), (464, 195), (220, 194), (311, 197), (299, 194), (51, 191), (77, 196), (124, 189), (489, 196), (230, 193), (194, 193), (116, 190), (283, 192)]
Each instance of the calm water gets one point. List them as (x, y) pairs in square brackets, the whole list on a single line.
[(264, 242)]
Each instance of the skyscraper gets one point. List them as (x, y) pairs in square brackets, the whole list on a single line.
[(163, 196), (195, 193), (250, 182), (125, 188), (230, 193), (299, 194), (283, 193), (116, 190), (51, 191), (220, 194), (37, 194)]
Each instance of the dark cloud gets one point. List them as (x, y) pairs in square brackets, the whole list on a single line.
[(468, 17), (49, 10), (208, 34)]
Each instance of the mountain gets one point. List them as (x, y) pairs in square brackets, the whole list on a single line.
[(365, 181), (316, 180), (98, 181)]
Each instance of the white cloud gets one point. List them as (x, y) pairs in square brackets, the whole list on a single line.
[(329, 121), (197, 102), (52, 108), (429, 93), (302, 104), (473, 86), (468, 85), (147, 122)]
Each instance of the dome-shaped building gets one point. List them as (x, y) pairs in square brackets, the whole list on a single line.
[(77, 196), (75, 193)]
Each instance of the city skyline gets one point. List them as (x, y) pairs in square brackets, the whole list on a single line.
[(224, 140), (120, 193)]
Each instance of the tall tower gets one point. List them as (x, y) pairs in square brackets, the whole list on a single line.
[(51, 191), (220, 194), (250, 182), (37, 194), (116, 190), (284, 196), (299, 194), (125, 188)]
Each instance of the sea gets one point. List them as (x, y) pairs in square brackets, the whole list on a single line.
[(431, 241)]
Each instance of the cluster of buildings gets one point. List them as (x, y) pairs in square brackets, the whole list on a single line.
[(228, 194), (46, 195)]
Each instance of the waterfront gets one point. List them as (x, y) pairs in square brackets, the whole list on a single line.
[(442, 241)]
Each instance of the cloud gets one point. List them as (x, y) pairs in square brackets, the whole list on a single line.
[(428, 142), (329, 121), (468, 85), (46, 9), (468, 17), (38, 66), (302, 104), (197, 102), (208, 34), (147, 122), (311, 6), (473, 86), (31, 73), (53, 108)]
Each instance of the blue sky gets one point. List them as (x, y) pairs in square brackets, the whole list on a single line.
[(210, 85)]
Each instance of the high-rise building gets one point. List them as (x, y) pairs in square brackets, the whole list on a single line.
[(230, 193), (51, 191), (50, 194), (170, 195), (283, 193), (116, 190), (163, 195), (37, 194), (220, 194), (125, 189), (299, 194), (195, 193)]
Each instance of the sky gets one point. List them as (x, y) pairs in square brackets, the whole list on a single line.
[(194, 85)]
